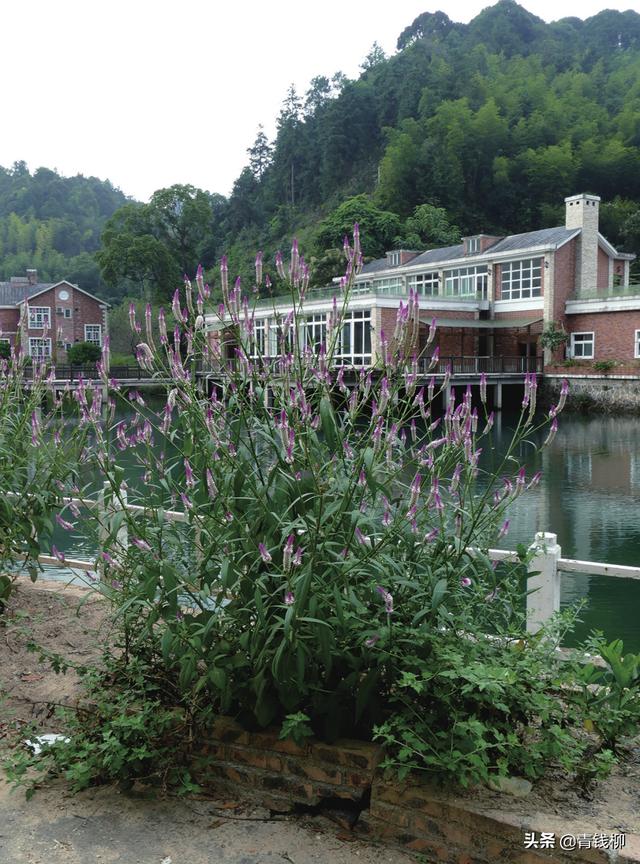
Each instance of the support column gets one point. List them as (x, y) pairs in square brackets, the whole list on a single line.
[(497, 396)]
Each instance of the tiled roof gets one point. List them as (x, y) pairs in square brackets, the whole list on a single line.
[(446, 253), (377, 265), (513, 243), (544, 237), (12, 293)]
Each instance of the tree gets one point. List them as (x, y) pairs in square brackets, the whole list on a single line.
[(374, 58), (429, 227), (379, 228), (260, 154), (146, 248)]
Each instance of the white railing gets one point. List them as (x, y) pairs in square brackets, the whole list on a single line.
[(545, 567)]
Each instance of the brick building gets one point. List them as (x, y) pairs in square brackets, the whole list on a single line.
[(491, 298), (48, 318)]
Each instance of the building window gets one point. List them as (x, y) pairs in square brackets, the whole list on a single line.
[(394, 258), (39, 348), (362, 287), (68, 313), (583, 345), (473, 244), (391, 285), (93, 334), (315, 332), (258, 341), (355, 343), (281, 338), (521, 279), (426, 284), (466, 282), (636, 345), (39, 317)]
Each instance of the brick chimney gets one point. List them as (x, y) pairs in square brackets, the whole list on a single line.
[(32, 276), (582, 212)]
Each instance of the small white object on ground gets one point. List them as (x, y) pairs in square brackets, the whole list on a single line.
[(38, 743)]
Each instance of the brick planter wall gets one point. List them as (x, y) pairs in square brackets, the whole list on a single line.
[(280, 774), (450, 829), (419, 817)]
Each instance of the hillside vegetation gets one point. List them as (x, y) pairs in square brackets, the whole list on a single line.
[(466, 128)]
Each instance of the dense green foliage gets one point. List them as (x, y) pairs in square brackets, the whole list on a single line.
[(53, 224), (84, 353), (494, 121), (331, 573)]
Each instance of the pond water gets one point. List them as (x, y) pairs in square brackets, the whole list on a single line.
[(589, 496)]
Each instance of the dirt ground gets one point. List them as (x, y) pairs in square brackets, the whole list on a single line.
[(102, 825)]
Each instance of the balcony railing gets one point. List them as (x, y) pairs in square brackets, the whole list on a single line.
[(606, 293), (321, 294), (478, 365)]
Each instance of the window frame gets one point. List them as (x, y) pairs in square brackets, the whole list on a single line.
[(421, 281), (40, 339), (314, 326), (517, 273), (93, 341), (475, 275), (358, 319), (584, 342), (636, 343), (38, 313)]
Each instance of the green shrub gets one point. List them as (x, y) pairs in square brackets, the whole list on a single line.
[(5, 350), (331, 573), (84, 354), (604, 366)]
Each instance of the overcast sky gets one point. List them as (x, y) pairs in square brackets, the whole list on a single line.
[(148, 93)]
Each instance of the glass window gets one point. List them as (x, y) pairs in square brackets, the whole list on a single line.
[(355, 344), (636, 352), (40, 348), (39, 317), (390, 285), (583, 345), (521, 279), (280, 338), (466, 282), (258, 342), (473, 244), (426, 284), (93, 334), (315, 332)]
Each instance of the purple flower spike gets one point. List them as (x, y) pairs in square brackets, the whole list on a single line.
[(465, 582), (264, 553), (387, 597), (58, 554), (141, 544), (289, 598), (68, 526)]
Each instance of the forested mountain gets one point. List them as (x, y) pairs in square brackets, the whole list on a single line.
[(466, 128), (53, 223), (494, 121)]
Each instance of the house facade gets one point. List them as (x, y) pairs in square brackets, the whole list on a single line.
[(48, 318), (491, 298)]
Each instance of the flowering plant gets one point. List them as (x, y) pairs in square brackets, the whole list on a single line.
[(312, 538), (39, 459)]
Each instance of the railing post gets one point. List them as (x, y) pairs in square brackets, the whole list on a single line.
[(545, 581)]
